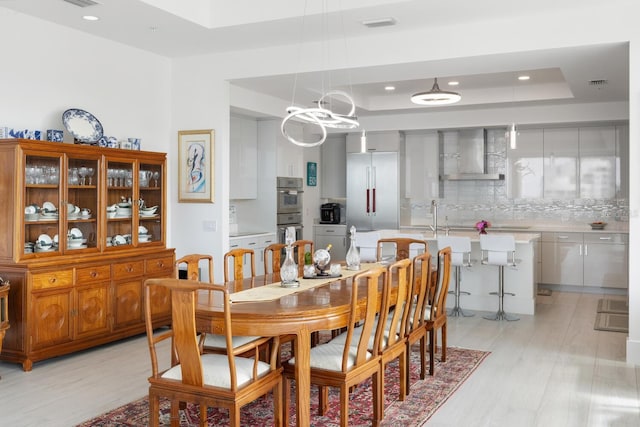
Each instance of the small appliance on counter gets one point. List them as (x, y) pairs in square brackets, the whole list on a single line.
[(330, 213)]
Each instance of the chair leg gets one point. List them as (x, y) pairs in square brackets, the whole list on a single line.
[(378, 399), (432, 345), (277, 405), (404, 383), (175, 413), (444, 342), (344, 405), (323, 399), (501, 314), (203, 415), (154, 411), (423, 354), (234, 416), (286, 399)]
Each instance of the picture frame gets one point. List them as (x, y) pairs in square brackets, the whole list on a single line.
[(312, 174), (195, 166)]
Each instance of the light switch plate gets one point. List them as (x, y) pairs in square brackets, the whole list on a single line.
[(209, 225)]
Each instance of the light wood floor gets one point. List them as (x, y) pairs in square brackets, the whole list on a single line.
[(551, 369)]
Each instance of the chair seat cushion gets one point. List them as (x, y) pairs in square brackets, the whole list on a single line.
[(329, 357), (218, 341), (215, 370)]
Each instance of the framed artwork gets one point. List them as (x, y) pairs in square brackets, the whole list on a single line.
[(312, 174), (195, 166)]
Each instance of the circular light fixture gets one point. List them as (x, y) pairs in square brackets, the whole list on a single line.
[(90, 18), (436, 96)]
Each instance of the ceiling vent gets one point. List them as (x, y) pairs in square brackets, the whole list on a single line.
[(382, 22), (598, 82), (82, 3)]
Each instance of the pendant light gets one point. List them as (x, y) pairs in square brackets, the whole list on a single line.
[(513, 135), (323, 116), (363, 142), (436, 96)]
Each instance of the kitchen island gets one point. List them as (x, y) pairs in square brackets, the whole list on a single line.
[(479, 280)]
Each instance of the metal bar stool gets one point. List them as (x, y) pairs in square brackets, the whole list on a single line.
[(460, 257), (499, 250)]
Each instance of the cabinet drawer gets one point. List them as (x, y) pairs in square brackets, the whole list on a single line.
[(52, 279), (128, 269), (267, 240), (561, 237), (606, 238), (330, 230), (159, 265), (93, 274)]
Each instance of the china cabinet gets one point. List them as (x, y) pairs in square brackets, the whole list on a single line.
[(85, 227)]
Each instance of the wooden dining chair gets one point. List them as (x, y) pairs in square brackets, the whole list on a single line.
[(273, 257), (403, 247), (416, 330), (437, 312), (193, 263), (346, 365), (301, 247), (228, 381), (237, 258)]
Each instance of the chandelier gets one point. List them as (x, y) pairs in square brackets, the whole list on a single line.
[(436, 96)]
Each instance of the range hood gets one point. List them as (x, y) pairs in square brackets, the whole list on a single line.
[(472, 160)]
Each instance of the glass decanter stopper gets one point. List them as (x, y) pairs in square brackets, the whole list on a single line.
[(353, 254)]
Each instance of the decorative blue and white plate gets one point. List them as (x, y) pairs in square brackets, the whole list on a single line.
[(82, 125)]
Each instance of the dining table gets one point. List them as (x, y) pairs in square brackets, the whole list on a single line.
[(260, 306)]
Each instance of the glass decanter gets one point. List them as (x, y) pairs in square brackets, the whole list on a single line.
[(353, 254), (289, 268)]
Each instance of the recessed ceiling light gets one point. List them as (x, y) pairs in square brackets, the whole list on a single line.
[(389, 88), (90, 18), (453, 83), (523, 77)]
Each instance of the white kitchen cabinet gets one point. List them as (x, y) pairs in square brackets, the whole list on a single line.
[(243, 158), (561, 155), (421, 164), (597, 162), (289, 157), (333, 167), (585, 259), (336, 235), (376, 141), (256, 242), (525, 165)]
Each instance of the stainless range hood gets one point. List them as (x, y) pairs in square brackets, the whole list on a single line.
[(472, 160)]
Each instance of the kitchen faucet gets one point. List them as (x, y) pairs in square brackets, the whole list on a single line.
[(434, 216)]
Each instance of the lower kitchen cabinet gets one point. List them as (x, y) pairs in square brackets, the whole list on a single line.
[(258, 243), (59, 308), (334, 235), (585, 259)]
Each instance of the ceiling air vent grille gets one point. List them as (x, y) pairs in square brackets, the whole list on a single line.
[(598, 82), (82, 3)]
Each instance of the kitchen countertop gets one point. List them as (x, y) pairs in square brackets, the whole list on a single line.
[(520, 236), (239, 234), (538, 227)]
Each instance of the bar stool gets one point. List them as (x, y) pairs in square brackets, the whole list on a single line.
[(499, 250), (460, 257)]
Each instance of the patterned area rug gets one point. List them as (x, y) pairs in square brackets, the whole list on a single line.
[(425, 398), (613, 306)]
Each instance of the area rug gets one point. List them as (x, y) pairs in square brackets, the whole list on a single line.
[(613, 306), (425, 398), (612, 322)]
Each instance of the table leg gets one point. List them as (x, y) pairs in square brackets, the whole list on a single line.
[(302, 346)]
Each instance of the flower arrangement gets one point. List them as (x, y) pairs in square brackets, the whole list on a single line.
[(482, 226)]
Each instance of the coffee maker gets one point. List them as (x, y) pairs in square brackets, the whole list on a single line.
[(330, 213)]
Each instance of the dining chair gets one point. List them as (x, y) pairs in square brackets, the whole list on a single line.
[(416, 330), (403, 247), (348, 364), (193, 263), (300, 247), (237, 259), (229, 381), (273, 257), (436, 313)]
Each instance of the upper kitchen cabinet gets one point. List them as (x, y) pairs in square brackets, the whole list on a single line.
[(289, 157), (561, 155), (243, 158), (622, 154), (421, 165), (333, 167), (597, 162), (525, 165), (376, 141)]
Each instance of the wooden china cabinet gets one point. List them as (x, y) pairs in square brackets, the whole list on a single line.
[(79, 237)]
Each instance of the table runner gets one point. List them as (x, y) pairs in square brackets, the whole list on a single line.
[(274, 291)]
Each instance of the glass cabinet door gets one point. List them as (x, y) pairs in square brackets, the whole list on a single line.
[(151, 212), (81, 204), (42, 199), (121, 203)]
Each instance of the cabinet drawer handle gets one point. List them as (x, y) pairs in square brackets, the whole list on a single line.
[(252, 243), (563, 237), (52, 279), (605, 238), (93, 274), (330, 231), (129, 268), (160, 264)]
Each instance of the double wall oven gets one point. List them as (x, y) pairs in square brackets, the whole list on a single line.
[(289, 211)]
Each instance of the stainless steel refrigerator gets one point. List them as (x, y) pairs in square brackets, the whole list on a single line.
[(373, 191)]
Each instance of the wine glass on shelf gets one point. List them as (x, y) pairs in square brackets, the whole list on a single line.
[(90, 172), (110, 173), (82, 171), (155, 176)]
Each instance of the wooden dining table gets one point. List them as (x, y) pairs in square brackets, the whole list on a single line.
[(325, 307)]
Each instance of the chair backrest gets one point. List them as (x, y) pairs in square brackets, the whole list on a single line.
[(185, 348), (273, 257), (238, 258), (368, 283), (438, 306), (460, 249), (405, 247), (498, 249), (421, 285), (399, 279), (193, 263), (300, 247)]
